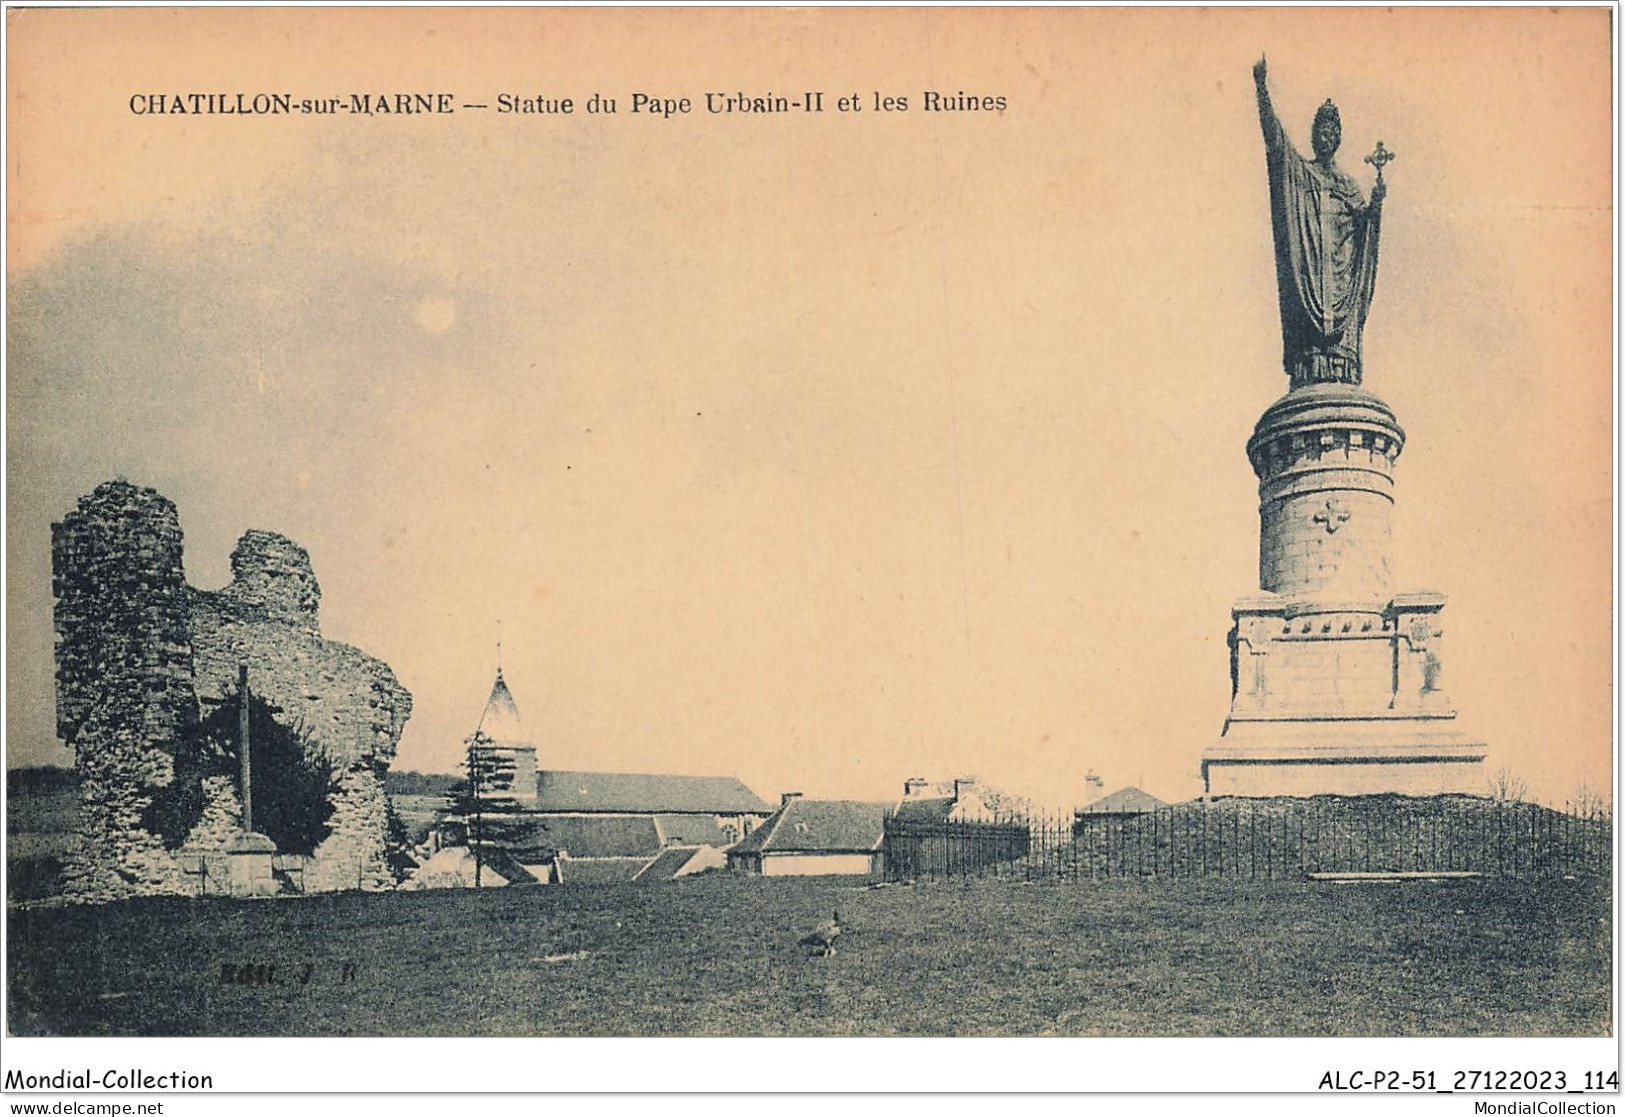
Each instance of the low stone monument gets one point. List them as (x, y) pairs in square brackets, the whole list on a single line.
[(248, 862), (1335, 680)]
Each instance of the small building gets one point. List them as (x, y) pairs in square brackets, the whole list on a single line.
[(935, 835), (1118, 809), (686, 810), (575, 827), (681, 861), (587, 849), (919, 806), (1123, 803), (455, 867), (815, 837)]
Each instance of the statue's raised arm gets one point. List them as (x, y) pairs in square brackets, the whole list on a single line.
[(1273, 133), (1325, 246)]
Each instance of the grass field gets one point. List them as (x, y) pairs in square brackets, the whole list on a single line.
[(717, 955)]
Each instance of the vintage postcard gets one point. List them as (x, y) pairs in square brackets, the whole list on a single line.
[(1090, 526)]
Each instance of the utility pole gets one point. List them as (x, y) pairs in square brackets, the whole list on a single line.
[(475, 776), (242, 744)]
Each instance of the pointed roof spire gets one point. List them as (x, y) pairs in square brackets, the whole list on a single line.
[(501, 723)]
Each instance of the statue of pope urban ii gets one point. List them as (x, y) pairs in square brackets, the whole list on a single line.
[(1325, 247)]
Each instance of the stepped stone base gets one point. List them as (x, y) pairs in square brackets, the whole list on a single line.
[(1340, 698), (1344, 756), (1336, 682)]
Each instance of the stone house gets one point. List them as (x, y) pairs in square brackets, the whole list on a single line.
[(918, 805), (930, 834), (1111, 813), (1122, 803), (453, 867), (815, 837)]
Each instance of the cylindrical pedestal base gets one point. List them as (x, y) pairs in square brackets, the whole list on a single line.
[(1324, 457)]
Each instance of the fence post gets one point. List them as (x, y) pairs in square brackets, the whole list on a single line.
[(1052, 852), (1162, 833), (1252, 838), (1269, 852), (991, 835), (1068, 826), (1124, 861), (1202, 819), (1500, 844), (1303, 837), (1115, 863), (886, 846)]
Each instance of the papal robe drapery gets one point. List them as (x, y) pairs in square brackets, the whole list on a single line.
[(1325, 258)]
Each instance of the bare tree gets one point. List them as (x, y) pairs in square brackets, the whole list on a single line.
[(1588, 802), (995, 801), (1506, 786)]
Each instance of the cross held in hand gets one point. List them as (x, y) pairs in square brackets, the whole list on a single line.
[(1380, 158)]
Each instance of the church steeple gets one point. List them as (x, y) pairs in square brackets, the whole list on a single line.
[(501, 723), (502, 733)]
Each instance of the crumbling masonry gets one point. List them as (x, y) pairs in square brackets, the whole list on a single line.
[(141, 656)]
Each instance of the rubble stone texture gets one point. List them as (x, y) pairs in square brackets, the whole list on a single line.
[(140, 653), (205, 851), (124, 680)]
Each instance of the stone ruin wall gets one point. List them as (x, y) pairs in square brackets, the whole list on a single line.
[(123, 680), (348, 703), (140, 655)]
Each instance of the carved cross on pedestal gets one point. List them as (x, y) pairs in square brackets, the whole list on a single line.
[(1332, 517), (1380, 159)]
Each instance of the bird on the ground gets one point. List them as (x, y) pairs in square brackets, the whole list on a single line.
[(822, 938)]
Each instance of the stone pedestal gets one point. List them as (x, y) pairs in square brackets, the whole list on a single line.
[(249, 865), (1336, 681)]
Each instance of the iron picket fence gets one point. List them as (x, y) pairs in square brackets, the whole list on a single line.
[(1259, 839)]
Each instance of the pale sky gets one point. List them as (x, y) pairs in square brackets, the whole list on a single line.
[(820, 450)]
